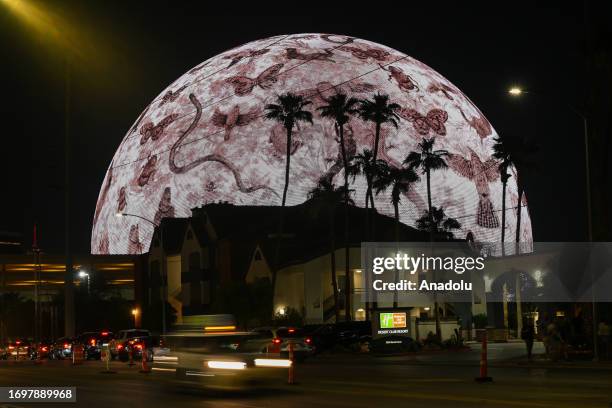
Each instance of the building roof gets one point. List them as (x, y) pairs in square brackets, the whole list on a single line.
[(306, 231)]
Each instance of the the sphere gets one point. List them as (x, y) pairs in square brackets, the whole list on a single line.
[(204, 139)]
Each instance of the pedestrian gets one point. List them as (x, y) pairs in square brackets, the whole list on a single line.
[(528, 335)]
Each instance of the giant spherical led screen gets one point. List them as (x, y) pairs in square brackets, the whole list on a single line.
[(204, 139)]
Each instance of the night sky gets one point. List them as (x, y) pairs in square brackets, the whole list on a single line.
[(133, 50)]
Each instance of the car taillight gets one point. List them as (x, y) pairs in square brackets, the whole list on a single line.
[(44, 349), (92, 342), (104, 333), (119, 346), (291, 330), (276, 340), (139, 346), (66, 345), (17, 342), (11, 347), (308, 340)]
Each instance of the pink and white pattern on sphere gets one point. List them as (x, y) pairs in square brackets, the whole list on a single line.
[(204, 140)]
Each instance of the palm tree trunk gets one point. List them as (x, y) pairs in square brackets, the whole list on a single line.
[(332, 240), (397, 222), (503, 220), (347, 280), (431, 238), (282, 212), (519, 207)]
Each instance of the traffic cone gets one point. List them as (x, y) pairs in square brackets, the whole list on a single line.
[(106, 358), (483, 362), (144, 368)]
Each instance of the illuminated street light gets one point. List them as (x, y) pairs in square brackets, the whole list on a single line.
[(84, 275), (516, 91), (135, 313)]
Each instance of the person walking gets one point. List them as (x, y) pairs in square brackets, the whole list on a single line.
[(528, 335)]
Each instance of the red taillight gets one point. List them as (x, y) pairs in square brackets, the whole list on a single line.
[(291, 330), (139, 346), (119, 346), (308, 340), (104, 333), (11, 347), (92, 342), (17, 342), (276, 340), (44, 349), (66, 345)]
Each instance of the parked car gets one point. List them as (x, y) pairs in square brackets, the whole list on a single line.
[(122, 336), (93, 342), (61, 348)]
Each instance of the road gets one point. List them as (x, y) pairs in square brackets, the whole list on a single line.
[(341, 381)]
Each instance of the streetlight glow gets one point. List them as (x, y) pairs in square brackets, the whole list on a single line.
[(83, 274), (516, 91)]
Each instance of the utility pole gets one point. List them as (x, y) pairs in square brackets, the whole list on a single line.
[(69, 318)]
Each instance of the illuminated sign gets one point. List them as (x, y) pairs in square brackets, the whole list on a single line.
[(392, 320)]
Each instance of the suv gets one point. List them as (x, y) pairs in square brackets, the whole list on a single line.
[(93, 343), (124, 335)]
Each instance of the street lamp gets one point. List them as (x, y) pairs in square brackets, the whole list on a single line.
[(135, 313), (517, 91), (163, 261), (84, 275)]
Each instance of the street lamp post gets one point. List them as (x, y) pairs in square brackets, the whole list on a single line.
[(163, 261), (517, 91), (135, 313), (85, 275)]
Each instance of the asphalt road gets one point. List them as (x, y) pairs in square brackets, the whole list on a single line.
[(340, 381)]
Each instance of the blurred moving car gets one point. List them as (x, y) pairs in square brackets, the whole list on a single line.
[(61, 348), (124, 335), (93, 342), (204, 358)]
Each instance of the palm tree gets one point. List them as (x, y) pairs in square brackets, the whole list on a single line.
[(514, 152), (427, 159), (399, 179), (340, 108), (288, 111), (438, 222), (363, 163), (501, 153), (326, 198), (380, 111)]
